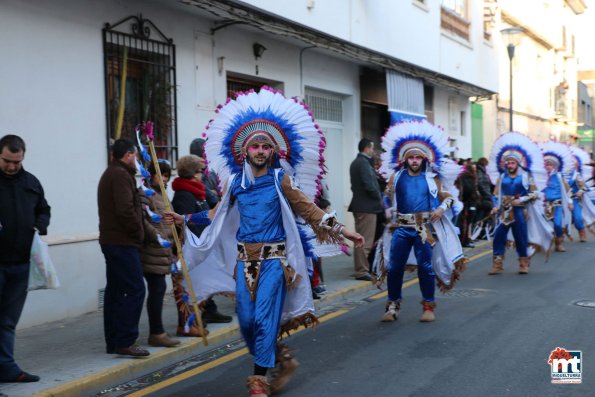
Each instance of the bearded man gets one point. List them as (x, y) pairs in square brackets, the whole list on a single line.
[(416, 201), (516, 163), (253, 248)]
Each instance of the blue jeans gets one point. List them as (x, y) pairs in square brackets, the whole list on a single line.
[(14, 279), (124, 295)]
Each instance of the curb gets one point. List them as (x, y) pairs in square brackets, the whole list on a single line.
[(137, 367)]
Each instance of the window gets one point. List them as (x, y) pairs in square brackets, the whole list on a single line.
[(149, 89), (241, 83), (453, 18), (490, 8), (458, 7), (325, 106)]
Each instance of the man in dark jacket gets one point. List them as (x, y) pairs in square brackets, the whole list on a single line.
[(365, 204), (23, 209), (121, 234), (485, 188)]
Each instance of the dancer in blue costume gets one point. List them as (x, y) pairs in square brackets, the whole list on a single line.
[(583, 214), (557, 158), (517, 164), (419, 194), (269, 150)]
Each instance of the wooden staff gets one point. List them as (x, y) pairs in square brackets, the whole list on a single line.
[(120, 118), (178, 245)]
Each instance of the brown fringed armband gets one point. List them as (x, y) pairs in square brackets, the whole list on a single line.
[(329, 232)]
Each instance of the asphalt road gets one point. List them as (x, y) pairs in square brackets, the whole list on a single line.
[(492, 337)]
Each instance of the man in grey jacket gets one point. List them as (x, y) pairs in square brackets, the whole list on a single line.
[(365, 204)]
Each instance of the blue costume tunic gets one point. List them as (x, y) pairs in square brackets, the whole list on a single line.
[(512, 186), (553, 191), (412, 195), (261, 222)]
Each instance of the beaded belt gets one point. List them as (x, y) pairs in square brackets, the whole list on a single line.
[(412, 220), (420, 221), (253, 254), (550, 207)]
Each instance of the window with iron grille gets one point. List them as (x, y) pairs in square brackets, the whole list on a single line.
[(239, 83), (140, 83), (325, 107)]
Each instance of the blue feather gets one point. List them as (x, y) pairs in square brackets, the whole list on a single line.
[(148, 191), (293, 137), (163, 242), (517, 148)]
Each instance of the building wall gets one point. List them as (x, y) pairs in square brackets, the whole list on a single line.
[(544, 60), (55, 100), (399, 29)]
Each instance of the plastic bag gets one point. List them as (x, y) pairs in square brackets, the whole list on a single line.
[(42, 273)]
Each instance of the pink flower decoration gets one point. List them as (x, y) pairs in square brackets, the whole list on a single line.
[(148, 129)]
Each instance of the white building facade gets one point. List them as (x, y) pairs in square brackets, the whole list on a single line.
[(61, 88), (544, 71)]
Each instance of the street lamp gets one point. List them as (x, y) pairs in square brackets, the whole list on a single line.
[(512, 38)]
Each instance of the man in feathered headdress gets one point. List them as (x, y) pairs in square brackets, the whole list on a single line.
[(269, 151), (557, 158), (516, 163), (419, 193), (583, 214)]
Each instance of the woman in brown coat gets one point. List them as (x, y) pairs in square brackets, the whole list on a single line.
[(156, 257)]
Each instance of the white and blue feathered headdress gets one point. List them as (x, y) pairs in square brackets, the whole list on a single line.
[(559, 154), (418, 136), (298, 141), (582, 160), (519, 147)]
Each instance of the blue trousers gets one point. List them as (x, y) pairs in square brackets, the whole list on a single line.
[(260, 319), (124, 295), (558, 213), (577, 215), (519, 232), (403, 240), (14, 279)]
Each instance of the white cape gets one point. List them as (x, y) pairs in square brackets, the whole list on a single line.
[(212, 258)]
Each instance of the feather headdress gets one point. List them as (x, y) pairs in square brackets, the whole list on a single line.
[(559, 154), (514, 145), (583, 160), (298, 141), (419, 136)]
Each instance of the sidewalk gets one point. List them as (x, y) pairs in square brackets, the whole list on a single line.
[(70, 357)]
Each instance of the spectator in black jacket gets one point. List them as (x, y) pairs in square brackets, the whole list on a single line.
[(23, 209), (467, 185), (485, 189), (190, 198)]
